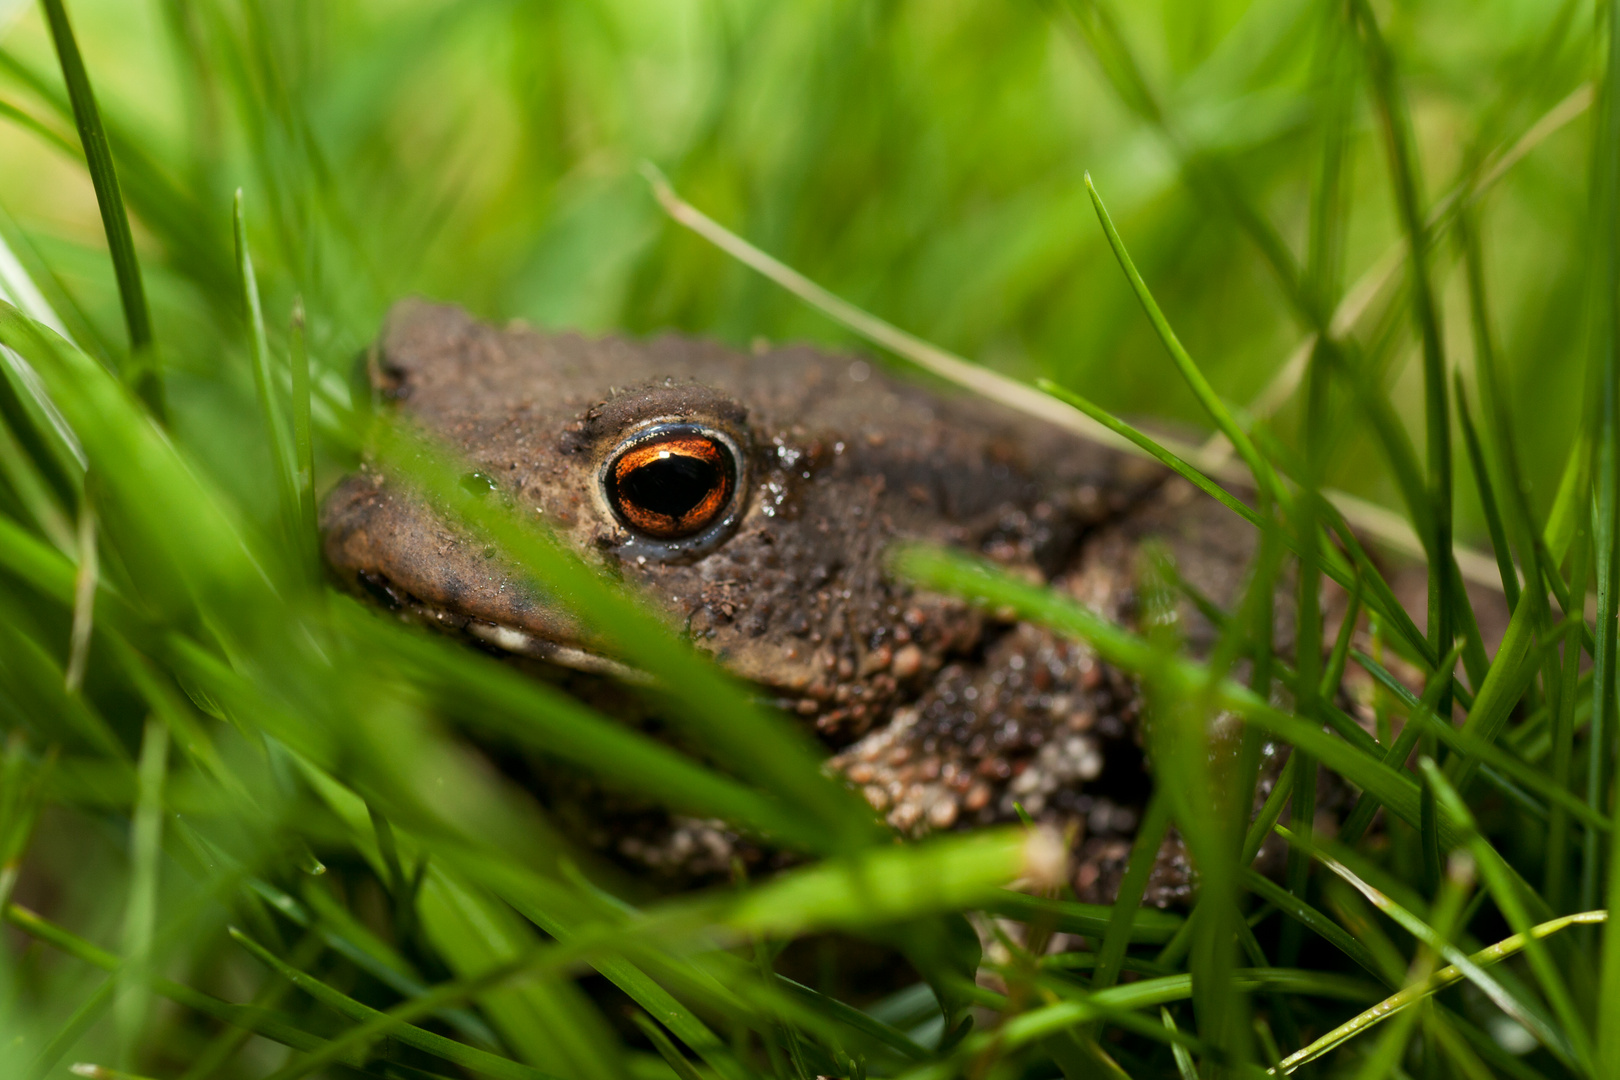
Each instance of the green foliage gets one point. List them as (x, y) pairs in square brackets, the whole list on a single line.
[(242, 829)]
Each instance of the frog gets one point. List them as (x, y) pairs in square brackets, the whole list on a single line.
[(754, 496)]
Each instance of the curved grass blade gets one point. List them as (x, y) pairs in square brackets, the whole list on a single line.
[(1503, 884), (1264, 477), (1441, 979), (1333, 561), (677, 1062), (1311, 919), (1422, 715), (1431, 937), (147, 379)]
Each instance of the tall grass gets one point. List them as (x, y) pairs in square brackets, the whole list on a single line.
[(242, 830)]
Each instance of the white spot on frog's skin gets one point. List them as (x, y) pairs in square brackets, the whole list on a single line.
[(505, 637), (860, 371), (521, 644)]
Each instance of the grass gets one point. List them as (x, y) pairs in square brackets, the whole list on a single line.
[(243, 832)]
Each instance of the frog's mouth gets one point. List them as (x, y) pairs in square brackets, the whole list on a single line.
[(522, 643), (556, 646)]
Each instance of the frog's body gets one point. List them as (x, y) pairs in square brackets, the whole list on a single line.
[(943, 715)]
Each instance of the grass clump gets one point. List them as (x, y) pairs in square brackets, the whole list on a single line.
[(241, 830)]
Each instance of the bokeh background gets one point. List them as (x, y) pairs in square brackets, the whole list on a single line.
[(922, 158)]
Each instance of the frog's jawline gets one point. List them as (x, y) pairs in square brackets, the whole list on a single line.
[(508, 639), (521, 643)]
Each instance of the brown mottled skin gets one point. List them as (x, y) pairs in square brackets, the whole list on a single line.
[(942, 715)]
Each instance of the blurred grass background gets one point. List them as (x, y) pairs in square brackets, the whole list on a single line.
[(922, 159)]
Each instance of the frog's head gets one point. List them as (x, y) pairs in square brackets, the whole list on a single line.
[(752, 496)]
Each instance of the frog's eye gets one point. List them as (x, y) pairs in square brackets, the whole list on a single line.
[(671, 482)]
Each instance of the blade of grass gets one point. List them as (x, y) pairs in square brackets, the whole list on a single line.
[(303, 440), (1401, 153), (1333, 561), (1144, 851), (261, 1023), (1264, 477), (71, 1031), (1606, 189), (1149, 926), (146, 376), (1487, 498), (282, 465), (1562, 737), (140, 910), (1503, 886), (1422, 715), (398, 1027), (85, 581), (677, 1062), (1439, 980), (1431, 937)]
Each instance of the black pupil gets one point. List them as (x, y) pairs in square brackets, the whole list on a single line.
[(671, 485)]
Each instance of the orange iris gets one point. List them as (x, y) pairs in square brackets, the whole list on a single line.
[(672, 487)]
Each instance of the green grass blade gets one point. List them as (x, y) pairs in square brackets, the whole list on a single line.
[(1403, 167), (71, 1031), (1182, 468), (682, 1068), (1606, 189), (1503, 886), (1435, 938), (1149, 926), (1383, 600), (140, 910), (1311, 919), (497, 699), (1487, 499), (397, 1026), (146, 376), (303, 438), (1264, 477), (1422, 715), (282, 465), (1144, 851), (1562, 737), (1184, 1062), (252, 1019)]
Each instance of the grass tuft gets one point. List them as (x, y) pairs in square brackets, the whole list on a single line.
[(244, 828)]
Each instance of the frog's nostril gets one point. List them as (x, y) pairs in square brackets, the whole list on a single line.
[(671, 482)]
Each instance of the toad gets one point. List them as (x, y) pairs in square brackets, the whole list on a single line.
[(753, 496)]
